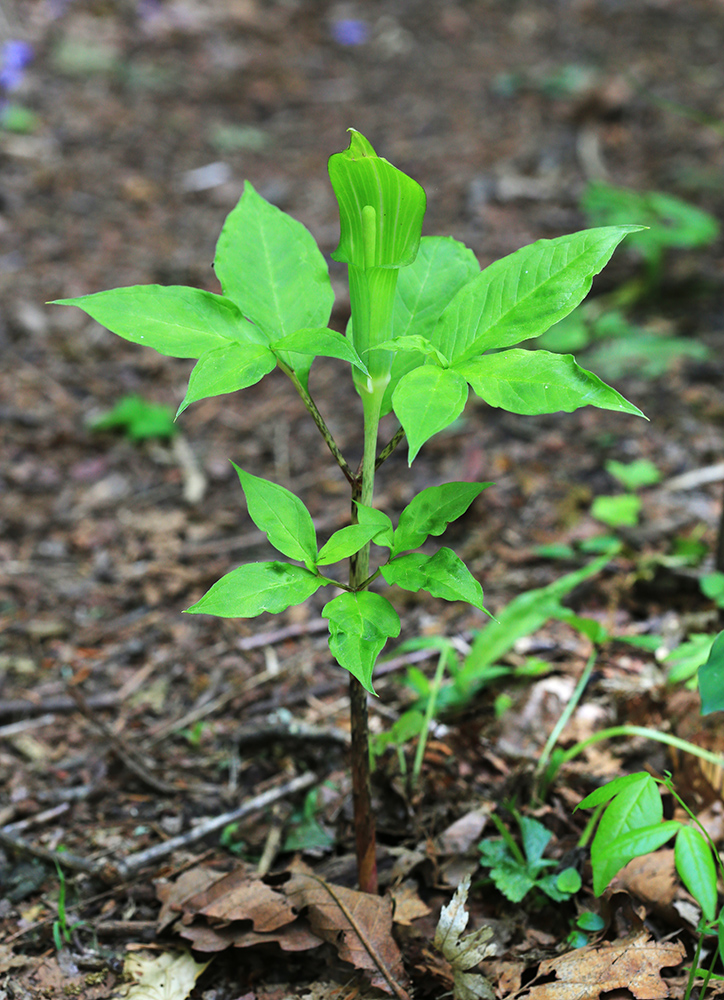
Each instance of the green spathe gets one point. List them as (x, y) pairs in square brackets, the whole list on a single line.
[(380, 208)]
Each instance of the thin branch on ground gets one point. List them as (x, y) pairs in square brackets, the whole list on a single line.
[(143, 859)]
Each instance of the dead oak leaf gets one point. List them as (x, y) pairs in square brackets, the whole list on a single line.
[(238, 895), (358, 924), (292, 937), (407, 903), (634, 963)]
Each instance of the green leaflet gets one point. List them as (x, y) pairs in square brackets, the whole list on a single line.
[(630, 826), (443, 575), (442, 266), (380, 208), (345, 543), (430, 512), (271, 267), (320, 342), (359, 626), (534, 382), (426, 401), (281, 515), (522, 295), (174, 320), (608, 791), (711, 679), (377, 519), (415, 344), (695, 865), (226, 369), (256, 587), (611, 857)]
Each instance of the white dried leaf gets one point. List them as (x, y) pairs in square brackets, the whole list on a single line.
[(168, 976), (464, 952)]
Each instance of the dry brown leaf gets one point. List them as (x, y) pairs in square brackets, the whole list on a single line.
[(292, 937), (358, 924), (633, 963), (651, 878), (408, 905), (238, 895), (242, 896), (173, 895)]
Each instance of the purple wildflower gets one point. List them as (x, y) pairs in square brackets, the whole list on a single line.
[(15, 57), (349, 31)]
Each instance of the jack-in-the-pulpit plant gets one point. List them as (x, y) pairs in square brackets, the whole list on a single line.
[(426, 326)]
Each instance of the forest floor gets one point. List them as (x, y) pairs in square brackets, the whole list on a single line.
[(124, 723)]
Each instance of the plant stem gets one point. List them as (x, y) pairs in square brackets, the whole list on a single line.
[(319, 421), (563, 720), (390, 447), (649, 734), (359, 571), (429, 712)]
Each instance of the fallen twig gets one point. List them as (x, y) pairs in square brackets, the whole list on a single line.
[(142, 859), (73, 861), (24, 706)]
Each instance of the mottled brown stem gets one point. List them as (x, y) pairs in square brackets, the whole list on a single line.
[(359, 570), (318, 419), (390, 447), (364, 817)]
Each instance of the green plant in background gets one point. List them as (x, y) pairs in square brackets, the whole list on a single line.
[(517, 872), (622, 511), (632, 824), (426, 326), (138, 419), (616, 345), (305, 831), (671, 223), (62, 928), (712, 586)]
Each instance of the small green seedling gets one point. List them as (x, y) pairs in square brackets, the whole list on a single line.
[(62, 928), (585, 926), (517, 872), (623, 510), (306, 833), (615, 345), (426, 327), (138, 419), (632, 825)]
